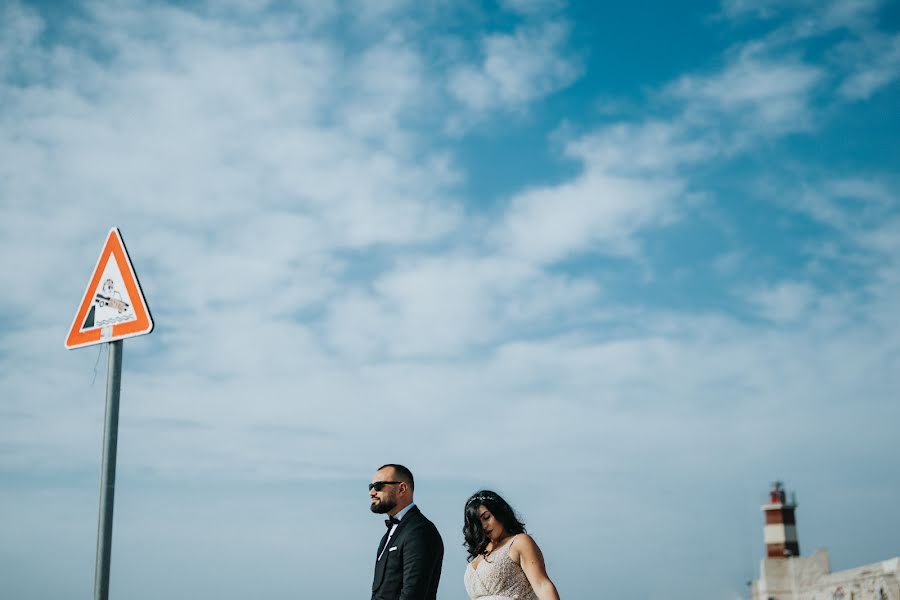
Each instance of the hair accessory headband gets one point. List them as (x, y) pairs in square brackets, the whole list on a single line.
[(474, 498)]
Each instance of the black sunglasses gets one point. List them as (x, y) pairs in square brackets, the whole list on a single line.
[(378, 485)]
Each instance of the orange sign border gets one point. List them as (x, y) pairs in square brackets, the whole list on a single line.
[(113, 248)]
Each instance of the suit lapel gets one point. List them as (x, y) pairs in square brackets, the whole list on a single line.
[(380, 565), (383, 542)]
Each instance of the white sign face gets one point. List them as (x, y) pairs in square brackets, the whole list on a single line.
[(113, 305)]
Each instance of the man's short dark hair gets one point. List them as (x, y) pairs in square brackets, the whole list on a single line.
[(403, 474)]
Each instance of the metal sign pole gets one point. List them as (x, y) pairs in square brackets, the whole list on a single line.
[(108, 474)]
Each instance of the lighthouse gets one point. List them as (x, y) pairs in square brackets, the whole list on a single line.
[(781, 525), (785, 575)]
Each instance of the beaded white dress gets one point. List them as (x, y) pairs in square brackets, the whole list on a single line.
[(498, 578)]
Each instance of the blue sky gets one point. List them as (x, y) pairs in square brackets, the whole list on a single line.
[(625, 264)]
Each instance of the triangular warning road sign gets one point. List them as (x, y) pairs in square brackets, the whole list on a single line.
[(113, 307)]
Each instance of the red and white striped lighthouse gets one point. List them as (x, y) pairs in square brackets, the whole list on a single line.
[(781, 525)]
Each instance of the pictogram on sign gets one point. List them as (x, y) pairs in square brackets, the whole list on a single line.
[(113, 307)]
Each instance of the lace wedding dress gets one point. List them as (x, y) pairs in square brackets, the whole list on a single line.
[(498, 578)]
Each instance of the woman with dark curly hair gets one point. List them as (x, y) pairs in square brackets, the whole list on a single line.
[(504, 562)]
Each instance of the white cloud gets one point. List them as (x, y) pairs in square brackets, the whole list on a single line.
[(533, 7), (378, 12), (729, 263), (762, 95), (849, 205), (594, 212), (389, 82), (445, 306), (20, 29), (874, 63), (845, 14), (651, 148), (864, 59), (785, 302), (808, 17), (628, 184), (885, 239), (873, 192), (517, 68)]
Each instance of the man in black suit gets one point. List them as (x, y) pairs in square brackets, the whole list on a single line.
[(408, 562)]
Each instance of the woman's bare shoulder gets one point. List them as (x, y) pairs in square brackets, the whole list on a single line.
[(521, 542)]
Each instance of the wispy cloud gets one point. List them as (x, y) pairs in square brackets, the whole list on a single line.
[(533, 7), (19, 32), (764, 95), (784, 302), (596, 211), (516, 68), (873, 63), (805, 17), (863, 58)]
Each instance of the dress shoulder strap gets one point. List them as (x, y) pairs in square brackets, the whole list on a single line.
[(509, 544)]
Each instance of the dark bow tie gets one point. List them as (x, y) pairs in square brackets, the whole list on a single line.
[(391, 522)]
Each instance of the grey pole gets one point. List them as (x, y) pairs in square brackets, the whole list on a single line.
[(108, 474)]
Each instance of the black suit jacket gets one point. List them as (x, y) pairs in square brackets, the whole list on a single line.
[(410, 567)]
